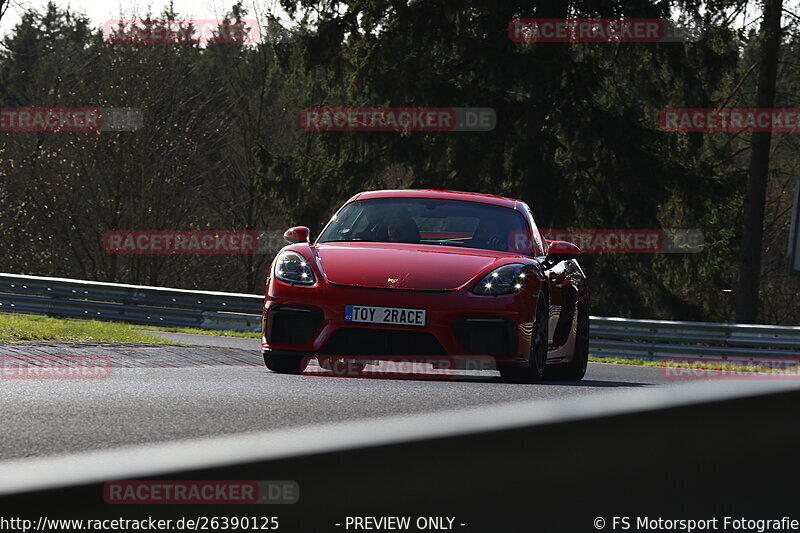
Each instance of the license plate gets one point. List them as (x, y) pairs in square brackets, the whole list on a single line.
[(396, 316)]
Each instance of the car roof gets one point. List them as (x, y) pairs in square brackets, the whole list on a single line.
[(442, 195)]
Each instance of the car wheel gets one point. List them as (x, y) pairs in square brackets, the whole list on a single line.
[(576, 369), (282, 363), (537, 359)]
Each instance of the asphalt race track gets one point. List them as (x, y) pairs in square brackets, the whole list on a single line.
[(158, 393)]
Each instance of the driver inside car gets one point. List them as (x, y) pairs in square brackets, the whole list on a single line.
[(402, 228), (490, 235)]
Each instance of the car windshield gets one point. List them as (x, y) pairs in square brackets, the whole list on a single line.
[(426, 221)]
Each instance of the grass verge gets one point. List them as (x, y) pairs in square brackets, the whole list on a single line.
[(16, 328), (624, 361), (198, 331), (724, 368)]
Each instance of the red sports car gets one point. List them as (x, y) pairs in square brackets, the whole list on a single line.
[(422, 273)]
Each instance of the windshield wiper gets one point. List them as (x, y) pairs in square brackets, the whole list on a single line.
[(444, 243), (350, 240)]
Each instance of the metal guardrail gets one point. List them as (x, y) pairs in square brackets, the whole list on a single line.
[(157, 306), (657, 339), (610, 337)]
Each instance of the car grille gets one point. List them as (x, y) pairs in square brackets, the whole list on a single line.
[(292, 324), (487, 335), (373, 341)]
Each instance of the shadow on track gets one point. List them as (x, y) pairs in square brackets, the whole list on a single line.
[(477, 379)]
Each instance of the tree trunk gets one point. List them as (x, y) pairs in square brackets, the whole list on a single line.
[(755, 196)]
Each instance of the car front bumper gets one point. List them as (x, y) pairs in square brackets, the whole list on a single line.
[(311, 321)]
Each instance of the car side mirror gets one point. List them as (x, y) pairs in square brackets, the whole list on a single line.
[(297, 234), (561, 251)]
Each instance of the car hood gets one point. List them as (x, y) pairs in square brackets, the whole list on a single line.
[(404, 266)]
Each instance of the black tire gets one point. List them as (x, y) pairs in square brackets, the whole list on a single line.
[(537, 359), (283, 363), (576, 369)]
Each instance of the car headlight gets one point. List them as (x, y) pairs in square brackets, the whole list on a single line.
[(292, 267), (504, 280)]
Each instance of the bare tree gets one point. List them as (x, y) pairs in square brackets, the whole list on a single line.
[(755, 195)]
